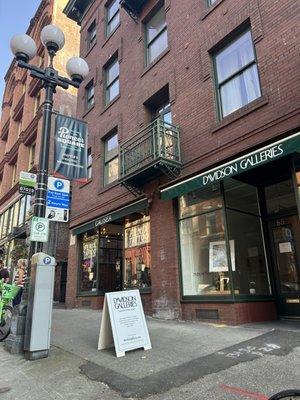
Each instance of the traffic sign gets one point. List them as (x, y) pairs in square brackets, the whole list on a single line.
[(58, 199), (27, 183), (39, 229)]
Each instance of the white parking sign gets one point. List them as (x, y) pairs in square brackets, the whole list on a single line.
[(39, 229)]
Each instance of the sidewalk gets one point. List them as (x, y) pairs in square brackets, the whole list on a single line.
[(188, 361)]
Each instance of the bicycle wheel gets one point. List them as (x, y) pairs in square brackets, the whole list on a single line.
[(291, 394), (5, 322)]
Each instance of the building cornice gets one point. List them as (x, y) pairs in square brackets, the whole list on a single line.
[(76, 9)]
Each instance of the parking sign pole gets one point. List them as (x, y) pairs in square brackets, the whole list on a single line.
[(42, 175)]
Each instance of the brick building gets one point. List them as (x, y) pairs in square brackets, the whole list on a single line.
[(193, 190), (21, 126)]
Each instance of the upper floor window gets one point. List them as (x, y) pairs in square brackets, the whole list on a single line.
[(89, 164), (90, 95), (164, 112), (91, 35), (237, 75), (112, 88), (112, 16), (14, 175), (37, 103), (31, 155), (156, 35), (111, 159), (19, 128), (210, 2)]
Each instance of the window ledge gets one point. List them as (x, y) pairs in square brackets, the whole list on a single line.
[(90, 49), (86, 183), (206, 299), (110, 104), (110, 35), (236, 115), (89, 294), (88, 111), (210, 9), (154, 62), (108, 187)]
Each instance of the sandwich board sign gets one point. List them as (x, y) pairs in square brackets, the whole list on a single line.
[(123, 323)]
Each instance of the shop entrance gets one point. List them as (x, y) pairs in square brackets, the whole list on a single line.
[(285, 247), (284, 237)]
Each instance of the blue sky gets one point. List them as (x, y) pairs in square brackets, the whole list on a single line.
[(15, 16)]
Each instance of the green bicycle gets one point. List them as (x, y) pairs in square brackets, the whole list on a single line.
[(7, 294)]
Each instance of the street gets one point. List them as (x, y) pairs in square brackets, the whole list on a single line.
[(189, 360)]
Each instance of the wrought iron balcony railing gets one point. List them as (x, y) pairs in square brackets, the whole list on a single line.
[(154, 149)]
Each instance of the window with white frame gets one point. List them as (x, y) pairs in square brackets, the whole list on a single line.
[(90, 95), (237, 75), (31, 155), (91, 35), (111, 159), (156, 35), (112, 16), (112, 88), (14, 175), (89, 164)]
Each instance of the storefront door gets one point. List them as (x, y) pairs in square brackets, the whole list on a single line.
[(285, 246)]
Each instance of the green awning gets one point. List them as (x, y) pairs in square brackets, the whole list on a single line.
[(138, 206), (242, 164)]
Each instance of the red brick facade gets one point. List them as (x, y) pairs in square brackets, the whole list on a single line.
[(195, 32)]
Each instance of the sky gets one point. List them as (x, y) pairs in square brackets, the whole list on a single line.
[(15, 16)]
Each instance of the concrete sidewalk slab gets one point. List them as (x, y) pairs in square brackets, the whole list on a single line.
[(173, 342), (183, 352)]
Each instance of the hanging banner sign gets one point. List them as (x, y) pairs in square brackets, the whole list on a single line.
[(70, 148), (27, 183), (58, 199), (123, 323)]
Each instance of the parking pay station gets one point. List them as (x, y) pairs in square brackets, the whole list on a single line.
[(39, 312)]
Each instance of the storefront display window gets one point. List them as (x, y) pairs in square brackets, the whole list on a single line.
[(244, 225), (209, 234), (89, 264), (21, 211), (110, 262), (137, 254), (199, 201), (204, 255), (280, 197), (250, 273)]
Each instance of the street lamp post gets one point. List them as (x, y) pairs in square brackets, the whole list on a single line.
[(24, 49)]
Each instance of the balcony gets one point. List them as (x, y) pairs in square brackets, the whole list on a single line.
[(153, 151)]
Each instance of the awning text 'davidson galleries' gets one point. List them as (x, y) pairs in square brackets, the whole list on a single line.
[(254, 159)]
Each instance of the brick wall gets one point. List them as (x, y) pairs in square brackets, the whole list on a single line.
[(194, 32)]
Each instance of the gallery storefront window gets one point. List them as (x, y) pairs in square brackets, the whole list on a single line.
[(137, 254), (89, 264), (216, 223), (249, 267), (203, 247)]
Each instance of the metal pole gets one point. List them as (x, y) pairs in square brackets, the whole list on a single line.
[(42, 174)]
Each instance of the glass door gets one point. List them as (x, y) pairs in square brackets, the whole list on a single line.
[(285, 240)]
